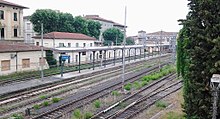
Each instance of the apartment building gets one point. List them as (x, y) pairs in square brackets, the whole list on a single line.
[(28, 30), (106, 24), (11, 19)]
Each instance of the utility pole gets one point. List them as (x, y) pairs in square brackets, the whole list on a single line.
[(42, 53), (159, 48), (124, 41)]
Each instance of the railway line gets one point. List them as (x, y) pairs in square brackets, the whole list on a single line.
[(47, 74), (75, 101), (131, 101), (36, 92)]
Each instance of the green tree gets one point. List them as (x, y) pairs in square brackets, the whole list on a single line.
[(63, 22), (48, 17), (50, 59), (198, 56), (129, 41), (94, 28), (113, 35), (80, 24)]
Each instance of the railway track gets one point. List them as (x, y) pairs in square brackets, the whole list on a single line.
[(25, 94), (145, 102), (75, 101), (144, 93), (96, 63), (35, 92)]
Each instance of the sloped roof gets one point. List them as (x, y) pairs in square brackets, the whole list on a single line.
[(6, 46), (65, 35), (163, 33), (96, 17), (12, 4)]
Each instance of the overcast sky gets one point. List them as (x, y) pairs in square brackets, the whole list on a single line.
[(147, 15)]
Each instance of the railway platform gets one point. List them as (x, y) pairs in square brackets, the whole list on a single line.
[(25, 85)]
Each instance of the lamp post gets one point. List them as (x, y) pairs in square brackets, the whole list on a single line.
[(42, 53), (123, 55), (215, 84)]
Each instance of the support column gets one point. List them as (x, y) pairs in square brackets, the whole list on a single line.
[(104, 58), (135, 54), (140, 54), (93, 60), (129, 54), (122, 55), (79, 60), (114, 56)]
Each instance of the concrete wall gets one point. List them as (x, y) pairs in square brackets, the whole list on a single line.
[(16, 61)]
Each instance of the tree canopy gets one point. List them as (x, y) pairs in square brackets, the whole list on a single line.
[(63, 22), (113, 35), (198, 56)]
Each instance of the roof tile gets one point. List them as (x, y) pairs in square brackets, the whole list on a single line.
[(65, 35)]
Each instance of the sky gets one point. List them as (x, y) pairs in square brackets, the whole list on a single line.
[(147, 15)]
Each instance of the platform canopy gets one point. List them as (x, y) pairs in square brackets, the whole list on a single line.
[(85, 49)]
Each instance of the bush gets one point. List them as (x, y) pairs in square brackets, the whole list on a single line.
[(128, 86), (45, 103), (88, 115), (115, 93), (36, 106), (97, 104), (77, 114), (43, 97), (55, 100), (137, 85), (143, 83), (161, 104), (17, 116)]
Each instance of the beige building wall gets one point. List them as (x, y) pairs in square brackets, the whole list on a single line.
[(16, 63), (9, 24)]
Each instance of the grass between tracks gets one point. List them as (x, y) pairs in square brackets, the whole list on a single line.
[(115, 96)]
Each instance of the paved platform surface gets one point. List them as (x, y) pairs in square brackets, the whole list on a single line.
[(13, 87)]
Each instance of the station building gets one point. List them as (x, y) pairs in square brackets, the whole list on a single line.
[(18, 57)]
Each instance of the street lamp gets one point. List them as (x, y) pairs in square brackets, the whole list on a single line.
[(215, 84)]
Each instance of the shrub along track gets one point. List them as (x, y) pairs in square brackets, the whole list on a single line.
[(36, 92), (65, 106), (145, 93)]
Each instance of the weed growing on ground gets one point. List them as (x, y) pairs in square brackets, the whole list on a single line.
[(97, 103), (161, 104)]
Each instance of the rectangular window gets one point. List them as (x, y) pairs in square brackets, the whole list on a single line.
[(15, 17), (76, 58), (83, 53), (37, 43), (42, 62), (1, 14), (69, 44), (84, 44), (90, 44), (15, 32), (77, 45), (28, 26), (5, 65), (28, 37), (2, 33), (61, 44), (25, 63)]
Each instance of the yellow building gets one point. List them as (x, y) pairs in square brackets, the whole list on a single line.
[(11, 18)]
